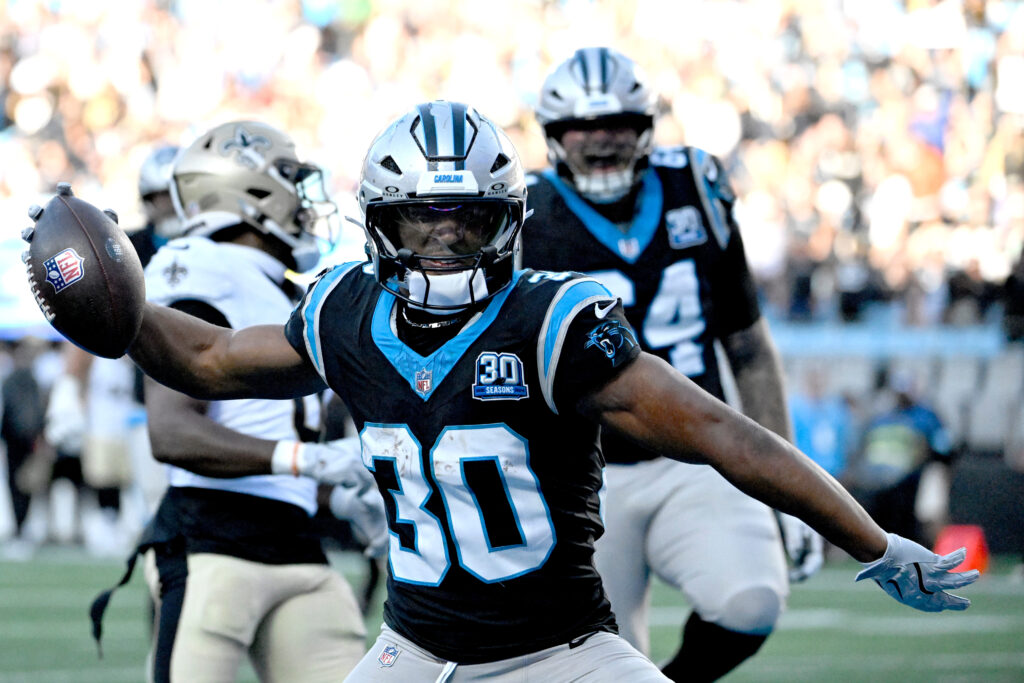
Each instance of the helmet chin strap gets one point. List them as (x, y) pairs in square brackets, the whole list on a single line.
[(450, 291)]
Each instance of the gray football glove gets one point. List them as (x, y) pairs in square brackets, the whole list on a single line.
[(916, 576), (335, 462), (805, 548), (364, 510)]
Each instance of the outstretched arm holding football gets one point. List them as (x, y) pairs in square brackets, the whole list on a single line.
[(666, 412), (211, 362)]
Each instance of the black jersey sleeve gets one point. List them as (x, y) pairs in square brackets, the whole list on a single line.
[(303, 329), (591, 343)]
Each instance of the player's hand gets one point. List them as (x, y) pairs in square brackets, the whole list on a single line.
[(364, 509), (336, 462), (805, 548), (65, 415), (916, 576)]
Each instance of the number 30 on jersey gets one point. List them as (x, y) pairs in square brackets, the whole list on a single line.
[(497, 518)]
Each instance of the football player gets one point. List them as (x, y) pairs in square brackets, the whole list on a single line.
[(232, 557), (478, 391), (656, 227)]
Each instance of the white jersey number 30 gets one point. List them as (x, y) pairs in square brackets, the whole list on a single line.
[(497, 518)]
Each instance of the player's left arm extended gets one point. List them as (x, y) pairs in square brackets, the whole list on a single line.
[(661, 409), (757, 369), (651, 403)]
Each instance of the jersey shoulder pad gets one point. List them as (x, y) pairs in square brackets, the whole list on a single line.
[(188, 268)]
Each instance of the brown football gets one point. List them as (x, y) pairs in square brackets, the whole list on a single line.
[(85, 274)]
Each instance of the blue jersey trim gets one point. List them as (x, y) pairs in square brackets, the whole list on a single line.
[(312, 307), (641, 230), (709, 196), (573, 297), (439, 363)]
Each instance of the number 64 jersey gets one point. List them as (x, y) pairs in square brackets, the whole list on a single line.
[(489, 477)]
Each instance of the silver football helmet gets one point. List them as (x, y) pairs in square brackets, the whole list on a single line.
[(247, 173), (443, 198), (154, 191), (598, 88)]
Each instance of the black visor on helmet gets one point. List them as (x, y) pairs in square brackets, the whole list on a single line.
[(444, 229), (638, 122)]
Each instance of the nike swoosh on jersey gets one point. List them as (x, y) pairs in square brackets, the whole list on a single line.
[(600, 313)]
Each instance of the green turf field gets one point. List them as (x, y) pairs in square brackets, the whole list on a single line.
[(834, 630)]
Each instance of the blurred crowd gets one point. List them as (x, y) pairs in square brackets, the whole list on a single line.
[(877, 146)]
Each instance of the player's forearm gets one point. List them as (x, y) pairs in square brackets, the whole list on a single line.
[(662, 410), (210, 362), (202, 446), (757, 368), (175, 349)]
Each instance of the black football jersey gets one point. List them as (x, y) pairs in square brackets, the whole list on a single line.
[(680, 268), (489, 477)]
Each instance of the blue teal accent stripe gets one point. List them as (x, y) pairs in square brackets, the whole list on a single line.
[(562, 313), (440, 363), (604, 69), (311, 310), (641, 230), (429, 135), (459, 135)]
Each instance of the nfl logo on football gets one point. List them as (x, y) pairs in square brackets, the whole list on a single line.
[(64, 269), (388, 655)]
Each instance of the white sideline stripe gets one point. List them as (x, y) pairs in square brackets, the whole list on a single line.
[(844, 620), (76, 629), (884, 662), (123, 674)]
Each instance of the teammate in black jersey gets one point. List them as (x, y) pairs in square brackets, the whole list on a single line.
[(478, 391), (656, 228)]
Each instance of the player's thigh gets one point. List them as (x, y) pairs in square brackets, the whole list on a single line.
[(315, 635), (601, 658), (225, 601), (394, 658), (715, 541)]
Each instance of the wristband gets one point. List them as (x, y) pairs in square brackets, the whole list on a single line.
[(285, 459)]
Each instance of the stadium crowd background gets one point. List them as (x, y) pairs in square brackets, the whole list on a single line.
[(877, 146)]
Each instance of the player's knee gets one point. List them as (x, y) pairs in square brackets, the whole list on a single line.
[(753, 610)]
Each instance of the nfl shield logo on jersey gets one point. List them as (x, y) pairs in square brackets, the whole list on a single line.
[(64, 269), (423, 381), (388, 655)]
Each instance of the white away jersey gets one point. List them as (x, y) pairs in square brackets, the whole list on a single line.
[(242, 283)]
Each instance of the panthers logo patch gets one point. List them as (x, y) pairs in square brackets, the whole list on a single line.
[(612, 338)]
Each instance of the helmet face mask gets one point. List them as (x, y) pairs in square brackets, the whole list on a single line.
[(598, 116), (443, 197), (247, 173)]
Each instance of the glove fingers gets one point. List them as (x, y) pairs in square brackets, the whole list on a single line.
[(957, 579), (951, 560)]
